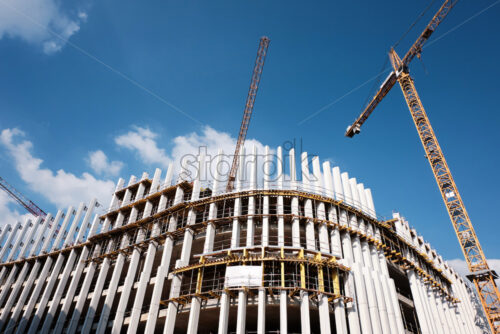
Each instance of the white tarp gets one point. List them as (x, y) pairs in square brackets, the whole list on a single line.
[(243, 276)]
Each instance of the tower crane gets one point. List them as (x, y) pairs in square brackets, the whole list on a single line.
[(21, 199), (252, 93), (480, 273)]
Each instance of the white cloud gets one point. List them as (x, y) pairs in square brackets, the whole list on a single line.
[(461, 266), (143, 142), (8, 212), (39, 22), (60, 188), (98, 161)]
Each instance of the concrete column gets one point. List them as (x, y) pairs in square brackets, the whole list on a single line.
[(93, 266), (390, 286), (224, 313), (235, 236), (18, 244), (310, 238), (183, 261), (13, 273), (283, 312), (294, 201), (338, 189), (212, 213), (371, 206), (133, 264), (265, 199), (378, 311), (466, 305), (5, 231), (8, 243), (194, 312), (417, 299), (438, 307), (449, 312), (281, 220), (251, 200), (161, 275), (194, 316), (106, 264), (353, 314), (68, 262), (242, 313), (120, 262), (40, 282), (261, 312), (146, 272), (30, 240), (426, 305), (324, 242), (63, 314), (20, 280)]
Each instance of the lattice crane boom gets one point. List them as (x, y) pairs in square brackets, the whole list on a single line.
[(21, 199), (480, 273), (391, 80), (252, 93)]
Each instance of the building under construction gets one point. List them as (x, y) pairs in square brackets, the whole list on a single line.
[(293, 248)]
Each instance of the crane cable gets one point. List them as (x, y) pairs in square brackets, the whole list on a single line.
[(414, 23), (384, 66)]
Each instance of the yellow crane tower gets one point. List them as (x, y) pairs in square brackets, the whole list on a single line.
[(480, 273)]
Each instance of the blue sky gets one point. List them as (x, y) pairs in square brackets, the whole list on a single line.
[(127, 63)]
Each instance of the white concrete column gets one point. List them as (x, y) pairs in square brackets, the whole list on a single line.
[(261, 312), (61, 261), (324, 242), (224, 313), (5, 231), (242, 313), (91, 268), (251, 200), (8, 243), (120, 262), (265, 200), (133, 265), (235, 236), (40, 282), (212, 212), (378, 311), (63, 314), (353, 314), (18, 244), (294, 201), (183, 261), (13, 273), (280, 209), (194, 316), (54, 275), (308, 211), (417, 300), (106, 263), (338, 189), (21, 279)]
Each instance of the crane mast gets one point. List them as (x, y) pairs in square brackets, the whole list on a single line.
[(480, 273), (21, 199), (252, 93)]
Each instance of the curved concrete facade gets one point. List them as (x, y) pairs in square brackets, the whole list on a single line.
[(280, 253)]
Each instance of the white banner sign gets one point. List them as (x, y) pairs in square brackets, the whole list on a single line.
[(237, 276)]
